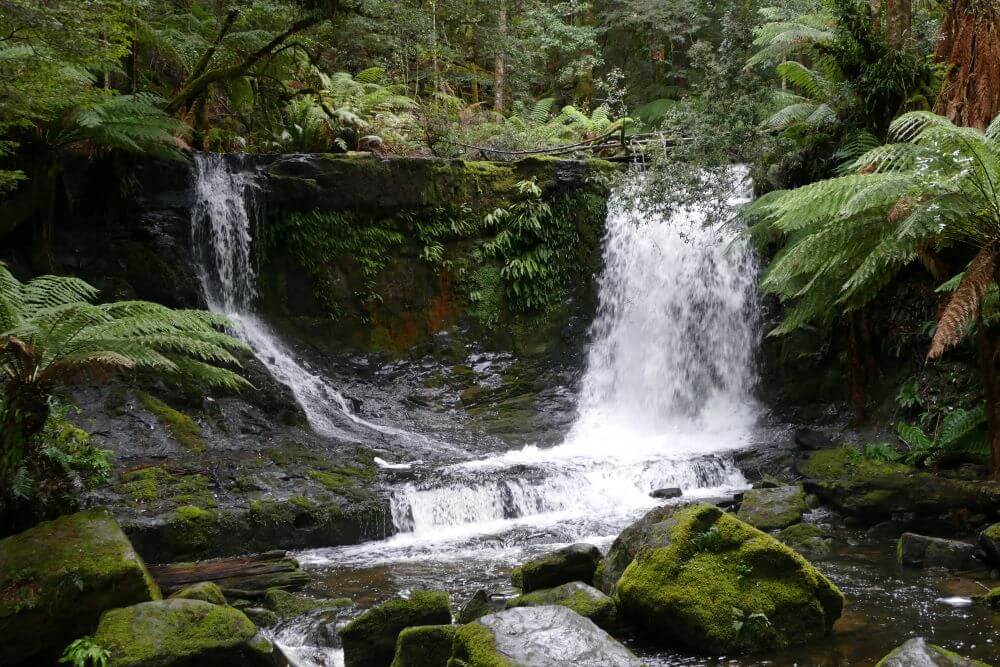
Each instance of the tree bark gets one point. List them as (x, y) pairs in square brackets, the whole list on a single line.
[(970, 44), (986, 343), (25, 413), (500, 67), (898, 21)]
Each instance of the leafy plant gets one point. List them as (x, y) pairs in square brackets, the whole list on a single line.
[(881, 451), (709, 540), (960, 435), (85, 652)]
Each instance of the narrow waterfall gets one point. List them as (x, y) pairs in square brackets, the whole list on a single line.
[(666, 392)]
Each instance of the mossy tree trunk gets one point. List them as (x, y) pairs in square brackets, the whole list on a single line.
[(970, 45), (25, 411)]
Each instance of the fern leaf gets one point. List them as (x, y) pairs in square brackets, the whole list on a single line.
[(963, 306)]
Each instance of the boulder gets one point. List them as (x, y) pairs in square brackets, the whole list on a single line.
[(181, 632), (286, 604), (989, 541), (424, 646), (370, 639), (577, 562), (649, 531), (531, 636), (205, 591), (918, 653), (811, 440), (773, 508), (992, 599), (578, 596), (807, 539), (721, 586), (666, 494), (58, 577), (923, 551), (481, 603)]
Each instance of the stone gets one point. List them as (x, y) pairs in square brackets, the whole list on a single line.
[(533, 636), (811, 440), (773, 508), (58, 577), (578, 596), (181, 632), (668, 493), (261, 617), (989, 542), (424, 646), (287, 605), (481, 603), (205, 591), (807, 539), (577, 562), (923, 551), (992, 599), (722, 587), (918, 653), (649, 531), (370, 639)]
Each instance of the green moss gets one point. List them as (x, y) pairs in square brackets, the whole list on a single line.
[(206, 591), (993, 599), (286, 604), (474, 646), (424, 646), (370, 639), (800, 532), (741, 592), (181, 427), (993, 532), (845, 461), (579, 597), (351, 482)]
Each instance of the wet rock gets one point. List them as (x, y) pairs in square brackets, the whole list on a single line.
[(287, 605), (181, 632), (723, 587), (581, 598), (666, 494), (261, 617), (773, 508), (206, 591), (370, 639), (481, 603), (811, 439), (918, 653), (424, 646), (531, 636), (923, 551), (652, 530), (989, 542), (886, 530), (577, 562), (807, 539), (992, 599), (58, 577)]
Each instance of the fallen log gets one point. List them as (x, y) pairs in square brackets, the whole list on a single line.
[(242, 577)]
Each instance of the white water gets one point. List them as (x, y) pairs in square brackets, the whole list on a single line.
[(222, 227)]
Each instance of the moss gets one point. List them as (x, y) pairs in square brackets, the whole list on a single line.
[(587, 602), (370, 639), (845, 461), (181, 427), (742, 591), (206, 591), (424, 646), (474, 646), (993, 532), (351, 482), (993, 599), (800, 532), (286, 604), (935, 655), (517, 577)]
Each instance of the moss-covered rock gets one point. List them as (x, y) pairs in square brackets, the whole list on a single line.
[(577, 562), (773, 508), (652, 530), (581, 598), (918, 652), (58, 577), (286, 604), (992, 599), (808, 539), (370, 639), (922, 551), (180, 426), (480, 604), (180, 632), (424, 646), (724, 587), (206, 591), (989, 541)]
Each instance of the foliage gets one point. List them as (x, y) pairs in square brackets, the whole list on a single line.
[(85, 652), (960, 435)]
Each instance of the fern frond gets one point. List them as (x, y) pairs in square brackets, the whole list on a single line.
[(963, 306)]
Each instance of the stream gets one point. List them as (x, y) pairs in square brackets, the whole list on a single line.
[(665, 398)]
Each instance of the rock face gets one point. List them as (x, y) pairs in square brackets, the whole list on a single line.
[(58, 577), (479, 605), (534, 636), (811, 439), (773, 508), (370, 639), (922, 551), (723, 587), (424, 646), (648, 532), (581, 598), (181, 632), (577, 562), (808, 540), (918, 653)]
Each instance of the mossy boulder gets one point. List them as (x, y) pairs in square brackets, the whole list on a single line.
[(178, 632), (652, 530), (206, 591), (992, 599), (578, 596), (530, 636), (480, 604), (807, 539), (722, 586), (424, 646), (989, 541), (370, 639), (58, 577), (918, 653), (577, 562), (286, 604), (922, 551), (773, 508)]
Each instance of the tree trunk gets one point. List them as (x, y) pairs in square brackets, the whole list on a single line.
[(857, 371), (986, 342), (898, 21), (970, 44), (500, 68), (24, 416)]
